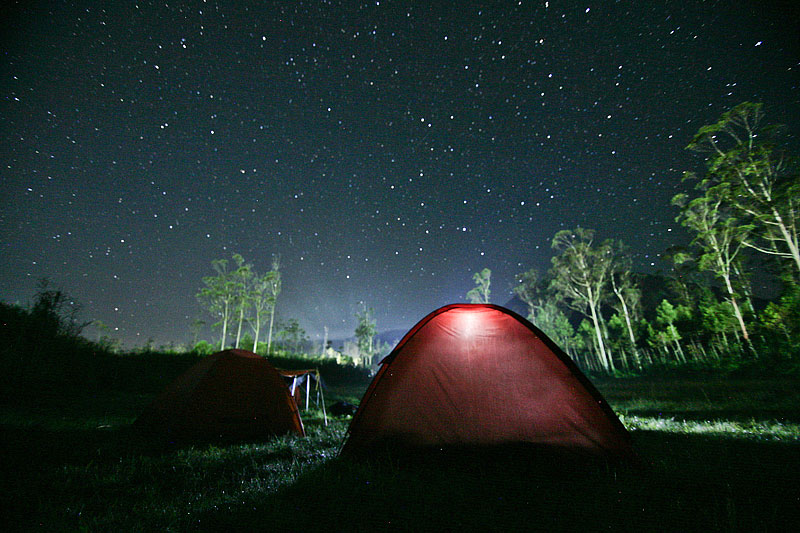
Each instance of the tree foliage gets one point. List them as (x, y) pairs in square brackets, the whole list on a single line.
[(242, 279), (273, 288), (292, 336), (627, 296), (366, 329), (580, 275), (743, 205), (218, 297), (543, 311), (480, 294), (757, 178), (719, 240), (241, 296)]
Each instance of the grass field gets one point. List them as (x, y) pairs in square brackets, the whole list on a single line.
[(720, 454)]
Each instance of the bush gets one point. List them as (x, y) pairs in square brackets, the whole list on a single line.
[(204, 348), (41, 350)]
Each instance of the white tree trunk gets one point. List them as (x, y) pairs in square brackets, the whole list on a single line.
[(790, 241), (605, 360), (225, 314), (239, 330), (269, 337), (258, 330), (736, 311)]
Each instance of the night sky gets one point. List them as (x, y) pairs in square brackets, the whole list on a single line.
[(386, 150)]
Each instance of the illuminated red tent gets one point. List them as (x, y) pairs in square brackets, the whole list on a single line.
[(479, 374), (233, 394)]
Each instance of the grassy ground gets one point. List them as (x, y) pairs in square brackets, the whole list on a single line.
[(720, 455)]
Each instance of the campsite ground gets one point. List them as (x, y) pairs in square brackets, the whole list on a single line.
[(719, 453)]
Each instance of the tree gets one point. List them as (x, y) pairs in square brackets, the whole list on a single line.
[(365, 334), (717, 319), (55, 313), (273, 290), (760, 181), (555, 324), (247, 343), (242, 291), (197, 325), (325, 342), (719, 239), (218, 296), (580, 276), (262, 299), (543, 312), (628, 296), (480, 294), (292, 336), (666, 316), (104, 337), (588, 338), (530, 289), (684, 277), (783, 317)]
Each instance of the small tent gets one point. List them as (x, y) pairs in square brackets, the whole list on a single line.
[(233, 394), (479, 374)]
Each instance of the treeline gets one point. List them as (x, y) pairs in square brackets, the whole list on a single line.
[(743, 215), (45, 355), (243, 302)]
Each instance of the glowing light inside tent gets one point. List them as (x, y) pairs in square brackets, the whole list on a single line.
[(469, 323)]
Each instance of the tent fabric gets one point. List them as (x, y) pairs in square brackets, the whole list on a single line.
[(291, 373), (479, 374), (232, 394)]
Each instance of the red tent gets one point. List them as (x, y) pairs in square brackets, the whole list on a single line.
[(479, 374), (233, 394)]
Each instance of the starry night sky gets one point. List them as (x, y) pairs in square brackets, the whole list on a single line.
[(386, 150)]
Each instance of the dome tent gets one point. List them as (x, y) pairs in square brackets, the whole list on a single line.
[(232, 394), (479, 374)]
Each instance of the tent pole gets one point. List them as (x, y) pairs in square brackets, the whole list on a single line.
[(308, 389)]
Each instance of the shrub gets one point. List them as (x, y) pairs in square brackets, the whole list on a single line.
[(204, 348)]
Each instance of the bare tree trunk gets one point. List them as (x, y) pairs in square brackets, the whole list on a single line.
[(736, 311), (225, 313), (239, 330), (628, 323), (791, 241), (631, 336), (258, 330), (679, 350), (609, 365), (271, 320), (739, 318)]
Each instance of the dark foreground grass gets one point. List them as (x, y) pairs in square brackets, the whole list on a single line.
[(719, 456), (697, 484)]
